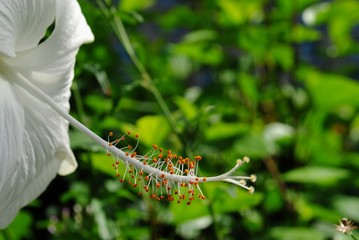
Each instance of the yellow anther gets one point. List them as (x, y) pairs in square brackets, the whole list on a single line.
[(242, 182), (253, 178), (251, 189)]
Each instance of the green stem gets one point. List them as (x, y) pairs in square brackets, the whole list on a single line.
[(147, 82), (78, 102)]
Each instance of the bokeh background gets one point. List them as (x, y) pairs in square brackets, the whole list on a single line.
[(275, 80)]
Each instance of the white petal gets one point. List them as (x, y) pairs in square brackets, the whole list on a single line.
[(33, 145), (34, 142), (23, 23), (50, 66)]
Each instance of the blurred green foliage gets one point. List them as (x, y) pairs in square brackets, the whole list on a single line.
[(276, 80)]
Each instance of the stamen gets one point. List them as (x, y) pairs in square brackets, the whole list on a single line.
[(166, 172)]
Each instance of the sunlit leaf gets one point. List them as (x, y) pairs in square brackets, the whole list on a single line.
[(152, 129), (189, 110), (20, 227), (330, 90), (348, 206), (224, 130), (129, 5), (182, 213), (98, 103), (233, 199), (316, 175), (103, 163), (253, 145), (296, 233)]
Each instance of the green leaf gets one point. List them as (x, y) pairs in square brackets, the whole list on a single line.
[(189, 110), (232, 198), (182, 213), (238, 12), (252, 145), (130, 5), (301, 34), (343, 18), (80, 140), (316, 175), (295, 233), (20, 227), (222, 130), (103, 163), (330, 90), (103, 223), (348, 206), (283, 55), (152, 129), (96, 69), (192, 229), (99, 104), (200, 36)]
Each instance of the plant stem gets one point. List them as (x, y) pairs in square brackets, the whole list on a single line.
[(147, 82)]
